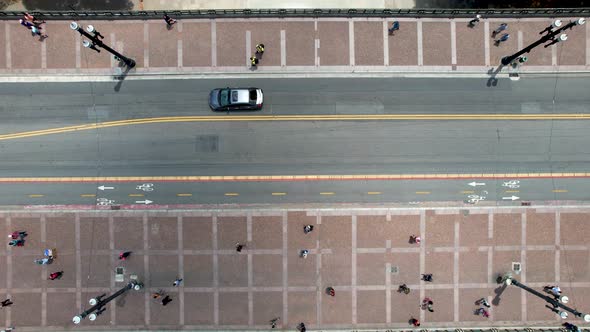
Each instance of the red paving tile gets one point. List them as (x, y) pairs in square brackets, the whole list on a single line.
[(435, 41), (334, 43), (219, 282), (403, 45), (198, 308), (368, 49), (190, 44)]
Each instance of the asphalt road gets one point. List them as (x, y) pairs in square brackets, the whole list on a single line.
[(245, 147)]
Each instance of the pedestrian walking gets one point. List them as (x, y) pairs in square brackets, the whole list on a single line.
[(403, 288), (483, 312), (123, 255), (158, 294), (16, 243), (273, 322), (166, 300), (502, 39), (18, 235), (483, 301), (56, 275), (427, 277), (36, 31), (259, 49), (6, 303), (177, 282), (415, 239), (415, 322), (307, 228), (253, 61), (32, 19), (474, 21), (500, 28), (571, 327), (553, 290), (330, 291), (301, 327), (26, 24), (304, 253), (239, 247), (394, 27), (169, 21), (427, 304)]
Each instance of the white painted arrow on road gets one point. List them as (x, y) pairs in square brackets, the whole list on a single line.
[(146, 202), (512, 198), (105, 188), (475, 184)]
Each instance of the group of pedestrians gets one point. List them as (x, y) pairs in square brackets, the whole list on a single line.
[(30, 22), (17, 238), (255, 59)]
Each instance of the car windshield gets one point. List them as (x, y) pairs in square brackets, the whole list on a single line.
[(224, 97)]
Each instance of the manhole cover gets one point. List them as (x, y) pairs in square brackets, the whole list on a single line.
[(119, 274), (516, 267)]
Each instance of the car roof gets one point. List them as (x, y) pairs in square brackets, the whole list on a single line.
[(240, 96)]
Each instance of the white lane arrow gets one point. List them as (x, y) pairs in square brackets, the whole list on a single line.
[(146, 202), (512, 198), (475, 184), (105, 188)]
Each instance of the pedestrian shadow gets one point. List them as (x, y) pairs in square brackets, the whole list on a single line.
[(121, 75), (498, 291), (493, 81)]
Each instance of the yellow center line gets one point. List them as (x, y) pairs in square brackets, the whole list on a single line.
[(467, 192), (339, 117), (136, 195), (35, 195), (559, 190), (327, 193), (88, 195), (183, 195), (279, 194), (292, 178), (422, 192), (373, 193), (232, 194), (512, 191)]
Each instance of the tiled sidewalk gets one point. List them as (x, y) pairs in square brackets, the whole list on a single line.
[(297, 46), (363, 253)]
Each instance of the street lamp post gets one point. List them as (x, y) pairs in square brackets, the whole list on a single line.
[(550, 36), (98, 304), (97, 41), (509, 280)]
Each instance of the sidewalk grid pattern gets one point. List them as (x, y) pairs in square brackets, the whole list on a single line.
[(329, 45), (363, 254)]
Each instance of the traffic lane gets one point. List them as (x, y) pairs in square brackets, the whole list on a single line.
[(478, 191), (314, 147), (38, 105)]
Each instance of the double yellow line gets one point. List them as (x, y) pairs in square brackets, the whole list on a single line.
[(353, 117)]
